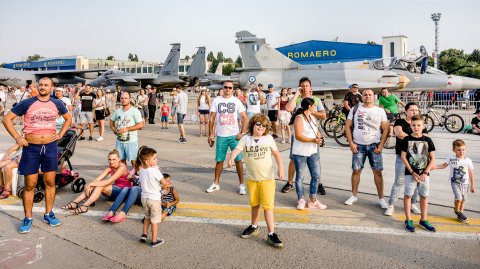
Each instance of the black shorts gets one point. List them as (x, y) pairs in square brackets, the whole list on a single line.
[(204, 111), (391, 117), (99, 114), (273, 115)]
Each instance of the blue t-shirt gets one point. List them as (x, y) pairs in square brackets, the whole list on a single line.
[(125, 119)]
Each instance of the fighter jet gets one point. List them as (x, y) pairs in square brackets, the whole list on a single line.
[(196, 75), (18, 78), (167, 78), (264, 64)]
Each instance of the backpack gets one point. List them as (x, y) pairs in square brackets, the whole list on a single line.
[(355, 108)]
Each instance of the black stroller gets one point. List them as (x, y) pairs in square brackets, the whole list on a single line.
[(64, 176)]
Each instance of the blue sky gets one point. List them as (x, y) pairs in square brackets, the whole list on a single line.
[(100, 28)]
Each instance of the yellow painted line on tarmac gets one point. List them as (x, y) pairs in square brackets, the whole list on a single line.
[(11, 200), (438, 219)]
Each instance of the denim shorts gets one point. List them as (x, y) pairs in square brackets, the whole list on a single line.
[(86, 117), (164, 119), (411, 184), (364, 151), (35, 156), (460, 191), (128, 151), (169, 210), (223, 143)]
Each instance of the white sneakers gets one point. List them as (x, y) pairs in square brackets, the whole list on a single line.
[(213, 187), (99, 139), (391, 209), (351, 200), (415, 210), (382, 203), (316, 205), (301, 204), (242, 190)]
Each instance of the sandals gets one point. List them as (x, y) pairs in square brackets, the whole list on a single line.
[(79, 210), (5, 194), (69, 206)]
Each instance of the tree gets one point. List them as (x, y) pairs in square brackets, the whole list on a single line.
[(210, 57), (2, 65), (132, 57), (238, 62), (213, 66), (228, 69), (228, 60), (111, 58), (187, 58), (451, 59), (34, 57), (369, 42), (135, 58), (220, 57), (475, 56)]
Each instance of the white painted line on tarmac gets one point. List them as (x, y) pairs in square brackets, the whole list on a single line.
[(284, 225)]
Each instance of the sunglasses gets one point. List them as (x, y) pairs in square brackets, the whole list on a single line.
[(228, 88), (260, 124)]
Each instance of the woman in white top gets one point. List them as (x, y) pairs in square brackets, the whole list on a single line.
[(203, 105), (304, 153), (142, 104), (99, 105), (285, 116)]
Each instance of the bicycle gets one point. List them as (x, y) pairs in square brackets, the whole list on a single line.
[(452, 122), (339, 133), (335, 116)]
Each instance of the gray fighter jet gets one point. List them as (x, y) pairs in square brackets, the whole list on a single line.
[(264, 64), (18, 78), (132, 82), (196, 75)]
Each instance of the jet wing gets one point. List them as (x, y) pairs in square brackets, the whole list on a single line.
[(326, 86), (68, 72), (124, 79)]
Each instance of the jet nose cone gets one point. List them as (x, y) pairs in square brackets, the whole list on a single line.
[(470, 83)]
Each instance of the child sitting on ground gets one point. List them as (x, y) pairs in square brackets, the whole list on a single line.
[(259, 147), (8, 162), (418, 155), (170, 198), (150, 178), (461, 177)]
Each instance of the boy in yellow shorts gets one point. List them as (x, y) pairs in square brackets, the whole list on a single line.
[(259, 147)]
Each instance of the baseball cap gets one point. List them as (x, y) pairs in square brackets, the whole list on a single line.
[(270, 86), (60, 89)]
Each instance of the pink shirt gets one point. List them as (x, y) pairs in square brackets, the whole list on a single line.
[(122, 181)]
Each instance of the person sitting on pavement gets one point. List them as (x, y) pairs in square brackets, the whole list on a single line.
[(476, 123), (170, 198), (10, 161), (110, 187)]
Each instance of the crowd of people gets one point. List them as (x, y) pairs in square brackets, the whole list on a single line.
[(248, 123)]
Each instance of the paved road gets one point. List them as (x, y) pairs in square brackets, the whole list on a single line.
[(204, 232)]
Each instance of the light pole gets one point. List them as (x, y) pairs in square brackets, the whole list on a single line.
[(436, 19)]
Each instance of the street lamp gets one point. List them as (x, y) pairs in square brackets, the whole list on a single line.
[(436, 19)]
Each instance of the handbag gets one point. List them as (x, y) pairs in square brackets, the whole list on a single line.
[(106, 112)]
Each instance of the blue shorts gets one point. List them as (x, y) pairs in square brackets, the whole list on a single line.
[(34, 157), (164, 119), (128, 151), (222, 145), (364, 151), (169, 210)]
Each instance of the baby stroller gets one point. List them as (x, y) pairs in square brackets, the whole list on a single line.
[(64, 176)]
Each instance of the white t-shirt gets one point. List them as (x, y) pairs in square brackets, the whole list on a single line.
[(182, 102), (367, 124), (226, 116), (459, 169), (272, 99), (149, 180), (253, 102), (19, 94), (257, 153)]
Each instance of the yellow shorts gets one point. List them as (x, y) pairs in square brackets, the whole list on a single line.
[(262, 193)]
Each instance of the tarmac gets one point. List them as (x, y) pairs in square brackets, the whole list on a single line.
[(204, 231)]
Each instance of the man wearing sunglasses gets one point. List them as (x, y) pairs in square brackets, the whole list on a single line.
[(352, 98), (224, 113)]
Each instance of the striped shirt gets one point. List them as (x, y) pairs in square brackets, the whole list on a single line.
[(168, 197)]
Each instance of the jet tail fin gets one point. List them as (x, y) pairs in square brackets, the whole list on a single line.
[(257, 54), (219, 70), (198, 67), (170, 66)]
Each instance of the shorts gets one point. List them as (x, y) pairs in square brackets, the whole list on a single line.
[(273, 115), (180, 117), (285, 117), (100, 114), (222, 145), (86, 117), (411, 184), (169, 210), (262, 193), (164, 119), (460, 191), (128, 151), (391, 117), (204, 111), (153, 210), (36, 157), (364, 151)]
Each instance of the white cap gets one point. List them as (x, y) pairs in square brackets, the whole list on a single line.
[(148, 86), (60, 89)]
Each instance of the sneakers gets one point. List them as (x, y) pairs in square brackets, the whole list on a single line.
[(382, 203), (26, 226), (51, 219), (288, 187), (316, 205), (461, 217), (157, 243), (321, 189), (283, 141), (427, 226), (389, 211), (409, 226), (143, 238), (242, 190), (274, 241), (301, 204), (182, 140), (249, 232), (351, 200), (99, 139), (415, 210), (90, 138), (213, 187)]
